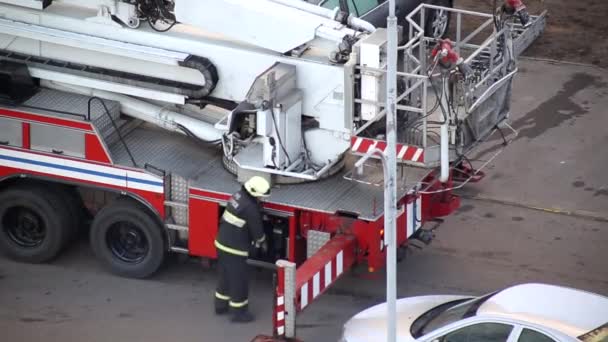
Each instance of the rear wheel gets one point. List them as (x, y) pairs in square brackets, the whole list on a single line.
[(127, 239), (34, 226)]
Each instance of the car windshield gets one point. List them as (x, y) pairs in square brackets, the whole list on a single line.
[(331, 4), (447, 313)]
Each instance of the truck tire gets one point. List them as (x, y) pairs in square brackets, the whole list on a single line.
[(439, 24), (34, 226), (74, 208), (127, 239)]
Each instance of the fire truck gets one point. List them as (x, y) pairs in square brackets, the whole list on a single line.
[(139, 118)]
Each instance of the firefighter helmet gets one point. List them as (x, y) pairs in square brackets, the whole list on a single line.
[(257, 186)]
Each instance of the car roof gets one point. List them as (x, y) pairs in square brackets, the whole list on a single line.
[(569, 311)]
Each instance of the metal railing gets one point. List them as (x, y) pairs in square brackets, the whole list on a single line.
[(485, 47)]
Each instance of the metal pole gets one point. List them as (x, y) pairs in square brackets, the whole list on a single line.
[(444, 146), (390, 186)]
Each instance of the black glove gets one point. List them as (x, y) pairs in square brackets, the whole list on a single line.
[(254, 251)]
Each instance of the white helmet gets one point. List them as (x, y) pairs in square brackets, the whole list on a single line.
[(257, 186)]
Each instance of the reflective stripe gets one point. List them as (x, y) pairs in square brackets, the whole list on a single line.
[(239, 304), (231, 250), (233, 219), (221, 296)]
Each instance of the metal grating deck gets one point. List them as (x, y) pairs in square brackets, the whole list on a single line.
[(76, 107), (73, 106), (202, 165)]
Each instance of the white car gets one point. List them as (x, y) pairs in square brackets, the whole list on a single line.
[(522, 313)]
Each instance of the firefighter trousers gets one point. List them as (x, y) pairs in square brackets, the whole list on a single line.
[(233, 286)]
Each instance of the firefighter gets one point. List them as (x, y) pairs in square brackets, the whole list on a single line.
[(240, 228)]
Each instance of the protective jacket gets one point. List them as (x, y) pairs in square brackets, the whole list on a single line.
[(241, 224)]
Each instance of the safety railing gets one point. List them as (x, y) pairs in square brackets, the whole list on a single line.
[(428, 94)]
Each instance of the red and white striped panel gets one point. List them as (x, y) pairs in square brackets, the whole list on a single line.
[(404, 152), (280, 319), (312, 288), (312, 278)]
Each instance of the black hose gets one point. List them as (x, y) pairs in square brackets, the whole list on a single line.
[(207, 69), (154, 11), (439, 96), (504, 139), (276, 129), (157, 29), (193, 136)]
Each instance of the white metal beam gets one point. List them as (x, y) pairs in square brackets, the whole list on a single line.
[(270, 25), (119, 88), (83, 41), (35, 4)]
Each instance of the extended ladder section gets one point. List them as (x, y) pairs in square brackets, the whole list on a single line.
[(469, 96)]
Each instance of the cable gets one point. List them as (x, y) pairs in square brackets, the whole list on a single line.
[(193, 136), (228, 152), (436, 105), (154, 11), (161, 30), (461, 158), (276, 130), (273, 156), (417, 128), (504, 140), (451, 106), (309, 161), (438, 95)]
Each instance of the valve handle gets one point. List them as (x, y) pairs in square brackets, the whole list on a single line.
[(448, 57)]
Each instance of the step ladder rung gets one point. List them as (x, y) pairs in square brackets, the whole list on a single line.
[(177, 227), (179, 250), (174, 204)]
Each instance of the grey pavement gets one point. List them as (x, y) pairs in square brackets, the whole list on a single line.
[(559, 157)]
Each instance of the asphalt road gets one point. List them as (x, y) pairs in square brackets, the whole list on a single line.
[(541, 215)]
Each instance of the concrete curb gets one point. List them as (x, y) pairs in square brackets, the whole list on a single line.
[(582, 214), (555, 61)]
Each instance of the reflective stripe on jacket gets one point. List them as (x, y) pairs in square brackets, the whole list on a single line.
[(241, 224), (231, 250)]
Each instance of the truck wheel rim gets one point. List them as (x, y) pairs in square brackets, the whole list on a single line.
[(440, 23), (24, 227), (127, 242)]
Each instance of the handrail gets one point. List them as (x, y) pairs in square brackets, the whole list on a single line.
[(488, 57), (107, 112)]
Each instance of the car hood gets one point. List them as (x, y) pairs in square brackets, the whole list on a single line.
[(370, 324)]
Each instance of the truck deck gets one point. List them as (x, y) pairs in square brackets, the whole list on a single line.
[(201, 164)]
